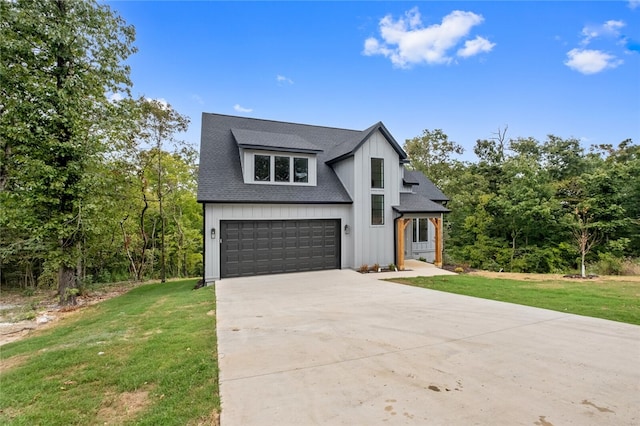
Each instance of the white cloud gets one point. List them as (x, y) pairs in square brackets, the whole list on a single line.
[(198, 99), (588, 61), (634, 4), (282, 79), (406, 41), (475, 46), (115, 97), (239, 108), (610, 28)]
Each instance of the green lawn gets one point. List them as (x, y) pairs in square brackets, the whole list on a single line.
[(608, 299), (146, 357)]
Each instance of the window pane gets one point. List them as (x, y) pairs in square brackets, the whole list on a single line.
[(377, 173), (377, 209), (262, 167), (415, 230), (423, 227), (301, 170), (282, 169)]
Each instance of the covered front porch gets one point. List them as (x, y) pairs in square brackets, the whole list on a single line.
[(419, 236)]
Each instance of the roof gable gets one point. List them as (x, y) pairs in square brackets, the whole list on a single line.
[(348, 147)]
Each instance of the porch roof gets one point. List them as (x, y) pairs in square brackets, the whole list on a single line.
[(416, 203)]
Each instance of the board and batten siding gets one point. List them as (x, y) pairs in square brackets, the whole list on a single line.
[(375, 243), (214, 213)]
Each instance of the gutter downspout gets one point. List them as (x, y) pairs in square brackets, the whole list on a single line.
[(395, 239), (204, 242)]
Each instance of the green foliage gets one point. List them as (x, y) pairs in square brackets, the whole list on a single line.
[(530, 206), (88, 191)]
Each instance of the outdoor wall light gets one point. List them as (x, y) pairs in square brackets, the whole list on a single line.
[(213, 233), (347, 229)]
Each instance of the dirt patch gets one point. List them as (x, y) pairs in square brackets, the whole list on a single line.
[(119, 408), (549, 277), (13, 362), (44, 310)]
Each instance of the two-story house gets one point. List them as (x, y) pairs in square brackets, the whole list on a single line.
[(284, 197)]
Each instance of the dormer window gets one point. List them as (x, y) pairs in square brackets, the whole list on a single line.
[(262, 168), (300, 170), (276, 158), (281, 168)]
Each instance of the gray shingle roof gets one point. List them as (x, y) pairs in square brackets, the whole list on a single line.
[(220, 175), (426, 197), (425, 187), (268, 140), (416, 203)]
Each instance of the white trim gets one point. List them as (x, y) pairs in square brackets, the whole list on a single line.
[(249, 172)]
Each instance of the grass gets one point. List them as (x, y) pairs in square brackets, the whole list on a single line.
[(146, 357), (608, 299)]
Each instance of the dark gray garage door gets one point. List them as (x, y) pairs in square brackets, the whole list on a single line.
[(278, 246)]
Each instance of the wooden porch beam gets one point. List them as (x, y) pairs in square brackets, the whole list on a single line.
[(437, 223), (401, 226)]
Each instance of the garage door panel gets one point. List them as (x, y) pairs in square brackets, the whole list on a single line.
[(267, 247)]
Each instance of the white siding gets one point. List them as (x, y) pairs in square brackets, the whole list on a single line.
[(375, 243), (214, 213), (344, 170)]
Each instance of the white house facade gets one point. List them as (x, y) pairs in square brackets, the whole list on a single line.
[(284, 197)]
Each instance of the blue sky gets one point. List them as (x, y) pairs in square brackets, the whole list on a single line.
[(469, 68)]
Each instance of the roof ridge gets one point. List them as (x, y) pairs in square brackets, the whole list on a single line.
[(283, 122)]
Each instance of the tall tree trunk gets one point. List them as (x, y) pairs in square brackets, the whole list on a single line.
[(67, 286)]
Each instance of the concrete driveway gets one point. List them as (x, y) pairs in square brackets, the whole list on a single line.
[(342, 348)]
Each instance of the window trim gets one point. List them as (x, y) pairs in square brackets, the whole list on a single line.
[(308, 180), (375, 209), (380, 161)]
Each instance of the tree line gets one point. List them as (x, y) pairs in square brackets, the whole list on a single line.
[(537, 206), (94, 185)]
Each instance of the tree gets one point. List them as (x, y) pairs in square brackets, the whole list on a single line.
[(158, 125), (60, 61), (431, 153), (584, 235)]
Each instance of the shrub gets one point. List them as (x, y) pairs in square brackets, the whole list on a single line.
[(458, 270), (375, 267), (607, 264), (392, 267), (630, 267), (363, 268)]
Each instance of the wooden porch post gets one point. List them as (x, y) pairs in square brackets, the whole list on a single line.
[(437, 223), (401, 226)]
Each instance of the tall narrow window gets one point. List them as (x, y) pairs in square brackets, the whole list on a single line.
[(282, 169), (300, 169), (420, 230), (262, 168), (377, 173), (377, 209)]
